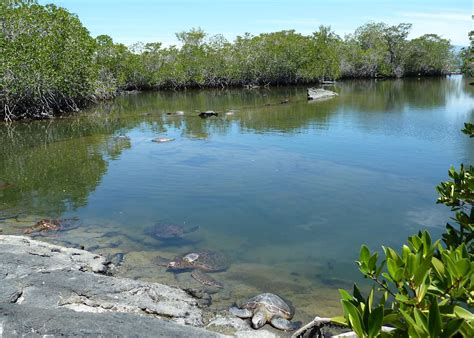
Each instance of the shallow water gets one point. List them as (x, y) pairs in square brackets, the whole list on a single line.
[(288, 192)]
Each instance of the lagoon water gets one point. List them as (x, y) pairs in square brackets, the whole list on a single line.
[(288, 192)]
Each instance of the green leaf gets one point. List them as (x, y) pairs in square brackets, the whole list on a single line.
[(452, 327), (345, 295), (421, 320), (434, 319), (408, 318), (364, 254), (339, 320), (438, 266), (357, 294), (375, 321), (394, 320), (463, 313), (355, 318), (463, 266), (370, 298), (392, 268), (372, 264)]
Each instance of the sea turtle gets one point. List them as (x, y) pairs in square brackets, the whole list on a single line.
[(169, 231), (211, 261), (54, 224), (198, 262), (267, 308)]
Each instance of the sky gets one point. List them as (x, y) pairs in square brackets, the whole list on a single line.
[(130, 21)]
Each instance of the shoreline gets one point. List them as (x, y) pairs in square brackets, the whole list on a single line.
[(92, 102), (48, 289)]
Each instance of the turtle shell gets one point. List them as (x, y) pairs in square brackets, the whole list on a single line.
[(169, 231), (203, 260), (166, 231), (47, 224), (274, 304)]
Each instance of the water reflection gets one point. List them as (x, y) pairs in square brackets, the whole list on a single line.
[(287, 190), (54, 165)]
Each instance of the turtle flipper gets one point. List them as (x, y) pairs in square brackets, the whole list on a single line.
[(205, 279), (192, 229), (241, 313), (283, 324)]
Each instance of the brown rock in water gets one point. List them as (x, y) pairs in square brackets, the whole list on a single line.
[(6, 185), (208, 113)]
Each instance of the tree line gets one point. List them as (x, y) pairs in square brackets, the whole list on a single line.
[(50, 64)]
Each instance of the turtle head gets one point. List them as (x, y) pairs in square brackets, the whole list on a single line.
[(259, 319), (178, 264), (173, 265)]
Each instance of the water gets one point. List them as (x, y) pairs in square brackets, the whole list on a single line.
[(288, 191)]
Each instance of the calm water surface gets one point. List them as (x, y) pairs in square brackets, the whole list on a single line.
[(288, 191)]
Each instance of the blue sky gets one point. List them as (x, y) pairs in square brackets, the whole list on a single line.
[(157, 21)]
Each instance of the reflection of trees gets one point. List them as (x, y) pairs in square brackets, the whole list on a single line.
[(258, 110), (56, 164), (395, 95)]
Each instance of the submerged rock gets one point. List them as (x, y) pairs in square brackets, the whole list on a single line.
[(208, 113), (122, 138), (319, 93), (162, 139)]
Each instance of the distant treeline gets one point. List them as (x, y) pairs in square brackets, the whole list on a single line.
[(50, 64)]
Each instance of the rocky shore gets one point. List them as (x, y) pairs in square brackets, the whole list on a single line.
[(47, 289)]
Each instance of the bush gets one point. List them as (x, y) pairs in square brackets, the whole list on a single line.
[(46, 64), (427, 288)]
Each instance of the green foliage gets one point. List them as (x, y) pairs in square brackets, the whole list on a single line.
[(425, 289), (429, 55), (467, 57), (459, 195), (285, 57), (379, 50), (50, 64), (46, 64), (468, 129)]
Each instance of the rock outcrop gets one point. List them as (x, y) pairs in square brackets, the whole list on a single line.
[(319, 93), (47, 289)]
